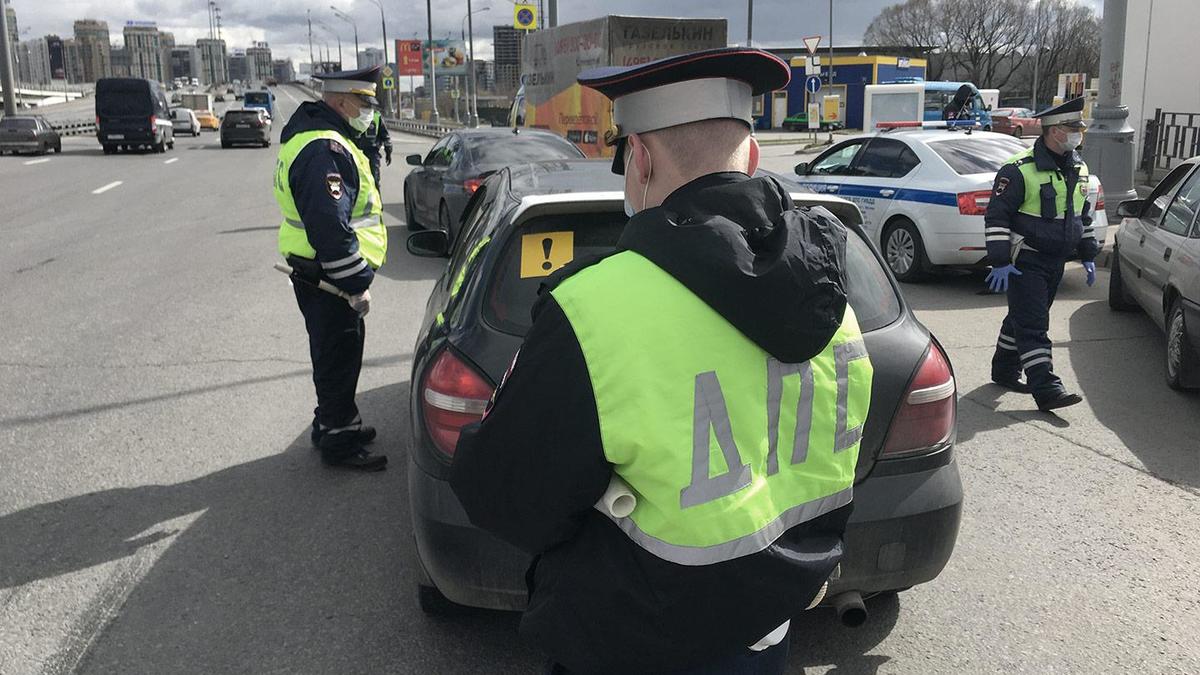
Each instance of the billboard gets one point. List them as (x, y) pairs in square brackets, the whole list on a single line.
[(408, 57), (451, 57)]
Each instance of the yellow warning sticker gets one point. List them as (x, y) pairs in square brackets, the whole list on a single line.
[(545, 252)]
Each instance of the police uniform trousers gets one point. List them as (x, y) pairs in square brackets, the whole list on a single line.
[(770, 661), (1023, 343), (335, 342)]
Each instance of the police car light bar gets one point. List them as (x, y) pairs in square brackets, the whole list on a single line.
[(944, 124)]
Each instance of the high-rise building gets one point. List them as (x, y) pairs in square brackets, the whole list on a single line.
[(239, 66), (143, 47), (371, 56), (185, 62), (506, 41), (214, 61), (259, 56), (14, 35), (120, 62), (95, 52), (485, 75), (58, 57), (166, 43), (283, 71), (73, 61), (33, 61)]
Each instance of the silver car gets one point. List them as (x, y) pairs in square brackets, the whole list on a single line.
[(1156, 266), (183, 120)]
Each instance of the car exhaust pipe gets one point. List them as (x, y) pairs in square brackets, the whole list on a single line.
[(850, 609)]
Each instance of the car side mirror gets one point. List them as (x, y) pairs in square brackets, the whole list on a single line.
[(1132, 208), (988, 107), (413, 160), (428, 244), (801, 169)]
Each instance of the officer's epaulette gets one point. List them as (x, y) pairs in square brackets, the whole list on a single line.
[(1024, 160)]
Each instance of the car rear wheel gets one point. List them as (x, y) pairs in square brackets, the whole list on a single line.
[(58, 147), (43, 148), (1018, 132), (904, 251), (1181, 358), (433, 603), (226, 144), (1118, 296), (160, 146)]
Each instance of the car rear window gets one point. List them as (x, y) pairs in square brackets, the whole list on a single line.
[(18, 123), (241, 115), (511, 297), (494, 152), (132, 98), (258, 97), (977, 154)]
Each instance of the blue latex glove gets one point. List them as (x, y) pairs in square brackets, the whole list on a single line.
[(997, 279), (1090, 268)]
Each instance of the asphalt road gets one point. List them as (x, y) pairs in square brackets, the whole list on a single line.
[(161, 510)]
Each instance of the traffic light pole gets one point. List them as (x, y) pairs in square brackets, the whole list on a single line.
[(1108, 149)]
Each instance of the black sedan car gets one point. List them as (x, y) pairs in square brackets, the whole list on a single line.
[(240, 127), (522, 224), (1156, 266), (28, 133), (437, 190)]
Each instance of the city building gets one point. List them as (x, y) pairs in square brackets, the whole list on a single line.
[(506, 42), (94, 50), (214, 61), (143, 48), (73, 61), (239, 66), (283, 70), (120, 62), (485, 75), (166, 43), (259, 56), (33, 61), (185, 62), (371, 56), (58, 57), (14, 35)]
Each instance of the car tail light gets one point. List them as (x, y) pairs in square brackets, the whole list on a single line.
[(927, 414), (454, 396), (153, 122), (97, 120), (1099, 198), (974, 203), (472, 184)]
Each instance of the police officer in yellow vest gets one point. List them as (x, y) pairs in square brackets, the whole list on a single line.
[(711, 367), (332, 230), (1039, 217)]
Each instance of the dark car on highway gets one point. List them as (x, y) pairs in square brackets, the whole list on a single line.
[(28, 133), (132, 113), (908, 496), (437, 190), (1156, 266), (241, 127)]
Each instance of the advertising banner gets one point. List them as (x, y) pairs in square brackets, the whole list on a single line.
[(408, 57), (451, 57)]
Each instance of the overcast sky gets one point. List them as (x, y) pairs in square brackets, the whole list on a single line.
[(282, 22)]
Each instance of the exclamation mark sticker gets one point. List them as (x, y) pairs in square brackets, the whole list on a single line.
[(547, 243)]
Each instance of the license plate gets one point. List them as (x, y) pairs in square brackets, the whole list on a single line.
[(243, 126), (117, 136)]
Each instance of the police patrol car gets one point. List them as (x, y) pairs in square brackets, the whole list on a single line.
[(923, 189)]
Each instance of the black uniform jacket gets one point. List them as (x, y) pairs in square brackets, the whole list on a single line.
[(1072, 236), (324, 184), (531, 472)]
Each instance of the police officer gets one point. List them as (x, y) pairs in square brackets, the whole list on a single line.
[(375, 139), (712, 364), (1039, 216), (332, 230)]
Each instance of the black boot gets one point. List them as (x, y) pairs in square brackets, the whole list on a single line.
[(344, 450), (1012, 382), (1062, 400), (364, 436)]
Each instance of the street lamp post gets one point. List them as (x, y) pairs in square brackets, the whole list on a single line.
[(6, 74), (1109, 147), (344, 17), (336, 37), (472, 91), (433, 115), (387, 99)]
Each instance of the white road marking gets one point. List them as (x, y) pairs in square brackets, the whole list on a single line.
[(289, 95), (173, 159), (106, 188), (37, 161)]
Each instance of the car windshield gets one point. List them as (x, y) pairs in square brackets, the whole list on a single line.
[(976, 153), (257, 98), (516, 278), (18, 123), (493, 152)]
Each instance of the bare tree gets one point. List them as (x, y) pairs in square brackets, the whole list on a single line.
[(916, 24)]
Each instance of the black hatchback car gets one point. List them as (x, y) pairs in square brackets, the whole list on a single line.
[(908, 496), (246, 127), (436, 192)]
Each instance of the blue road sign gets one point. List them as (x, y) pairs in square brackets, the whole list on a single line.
[(813, 84)]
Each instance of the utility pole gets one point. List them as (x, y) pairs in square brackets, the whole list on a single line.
[(342, 15), (831, 60), (1109, 147), (433, 116), (312, 66), (6, 74), (553, 21), (749, 23)]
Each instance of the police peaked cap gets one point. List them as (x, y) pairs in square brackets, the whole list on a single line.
[(1069, 113), (361, 82), (705, 85)]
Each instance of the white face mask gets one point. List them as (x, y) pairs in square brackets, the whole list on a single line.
[(1074, 139), (366, 115)]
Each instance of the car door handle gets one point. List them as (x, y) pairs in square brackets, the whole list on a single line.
[(1167, 255), (886, 193)]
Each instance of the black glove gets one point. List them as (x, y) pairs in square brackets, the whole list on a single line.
[(387, 153)]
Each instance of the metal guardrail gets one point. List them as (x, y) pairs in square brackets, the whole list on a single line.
[(1169, 136), (75, 128), (419, 128)]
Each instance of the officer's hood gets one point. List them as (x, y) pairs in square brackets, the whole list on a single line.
[(316, 116), (774, 271)]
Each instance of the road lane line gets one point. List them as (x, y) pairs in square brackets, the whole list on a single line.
[(289, 95), (173, 159), (37, 161), (106, 188)]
